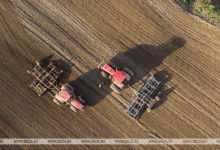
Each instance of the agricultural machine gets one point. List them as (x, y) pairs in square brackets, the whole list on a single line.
[(67, 96), (119, 77), (45, 78), (144, 98)]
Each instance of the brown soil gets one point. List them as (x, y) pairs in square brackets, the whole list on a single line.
[(151, 37)]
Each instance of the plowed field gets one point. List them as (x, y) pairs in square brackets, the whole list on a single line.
[(153, 37)]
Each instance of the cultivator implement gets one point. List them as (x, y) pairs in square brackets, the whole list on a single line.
[(45, 77), (142, 99)]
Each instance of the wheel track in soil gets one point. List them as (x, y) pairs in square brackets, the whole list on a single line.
[(53, 31)]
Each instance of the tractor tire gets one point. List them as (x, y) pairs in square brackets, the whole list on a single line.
[(115, 88), (104, 74), (73, 108), (81, 100), (128, 71), (113, 65), (57, 102)]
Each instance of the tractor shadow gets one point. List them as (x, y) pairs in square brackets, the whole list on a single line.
[(87, 86), (141, 60), (144, 58)]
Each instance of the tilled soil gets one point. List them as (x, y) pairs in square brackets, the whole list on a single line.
[(151, 37)]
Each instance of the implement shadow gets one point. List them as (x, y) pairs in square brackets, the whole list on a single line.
[(140, 59), (162, 90)]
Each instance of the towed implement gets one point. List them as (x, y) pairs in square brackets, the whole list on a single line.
[(46, 77), (144, 98)]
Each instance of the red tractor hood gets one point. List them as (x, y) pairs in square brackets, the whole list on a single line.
[(119, 76), (65, 94), (108, 69), (77, 104)]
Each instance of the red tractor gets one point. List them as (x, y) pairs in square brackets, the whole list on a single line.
[(119, 77), (45, 78), (67, 96)]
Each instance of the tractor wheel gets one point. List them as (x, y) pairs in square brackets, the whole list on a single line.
[(73, 108), (113, 65), (115, 88), (127, 70), (57, 102), (104, 74), (81, 99)]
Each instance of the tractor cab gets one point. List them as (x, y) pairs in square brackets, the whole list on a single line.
[(67, 96), (118, 77), (107, 68)]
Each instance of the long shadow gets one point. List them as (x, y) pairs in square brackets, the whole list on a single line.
[(87, 86), (141, 59), (149, 57)]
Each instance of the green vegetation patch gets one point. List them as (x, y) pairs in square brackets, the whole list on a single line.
[(209, 10)]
